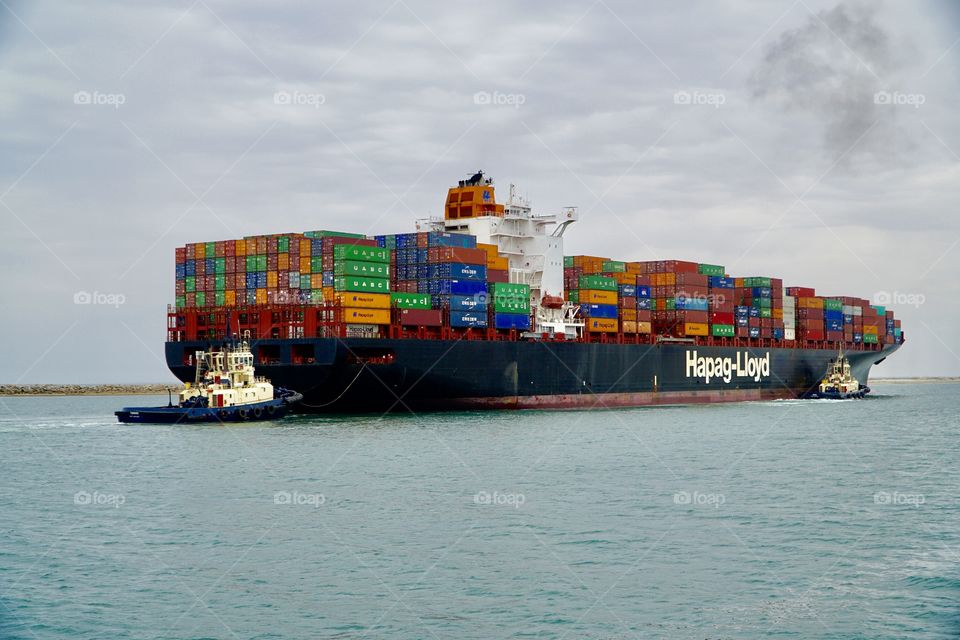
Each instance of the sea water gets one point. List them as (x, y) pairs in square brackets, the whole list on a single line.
[(793, 519)]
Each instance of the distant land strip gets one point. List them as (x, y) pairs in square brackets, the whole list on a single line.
[(87, 389)]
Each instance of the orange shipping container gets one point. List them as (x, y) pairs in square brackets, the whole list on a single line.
[(624, 278), (272, 279), (305, 248), (628, 315), (304, 265), (327, 293), (777, 313), (598, 297), (252, 247), (354, 315), (810, 303), (696, 328), (364, 300), (230, 298), (499, 263), (261, 296), (491, 249), (316, 281), (870, 329), (601, 325), (283, 262), (629, 326), (240, 247)]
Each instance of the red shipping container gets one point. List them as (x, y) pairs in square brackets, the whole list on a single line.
[(766, 323), (327, 243), (181, 254), (180, 287), (766, 332), (643, 281), (693, 279), (701, 317), (460, 254), (811, 334), (501, 275), (835, 336), (201, 267), (801, 292), (628, 302), (678, 266), (743, 332), (423, 240), (219, 249), (421, 317), (230, 249), (753, 322), (644, 315), (231, 281), (810, 314), (721, 302), (191, 299), (719, 317)]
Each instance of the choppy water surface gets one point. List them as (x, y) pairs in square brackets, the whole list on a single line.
[(780, 519)]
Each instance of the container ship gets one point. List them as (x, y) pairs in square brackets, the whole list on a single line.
[(481, 309)]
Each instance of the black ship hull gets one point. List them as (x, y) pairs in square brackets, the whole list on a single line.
[(352, 375)]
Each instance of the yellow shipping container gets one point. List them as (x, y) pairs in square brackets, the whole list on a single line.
[(304, 266), (305, 248), (601, 325), (240, 247), (777, 314), (354, 315), (644, 327), (628, 315), (810, 303), (199, 250), (629, 326), (598, 297), (327, 293), (272, 279), (364, 300), (261, 296), (491, 249), (230, 298), (283, 262), (870, 329), (316, 281), (499, 263), (696, 328), (738, 282), (636, 268)]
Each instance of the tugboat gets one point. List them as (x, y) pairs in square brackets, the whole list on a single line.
[(226, 389), (839, 383)]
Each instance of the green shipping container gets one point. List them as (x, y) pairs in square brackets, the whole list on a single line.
[(511, 298), (722, 330), (221, 298), (614, 266), (766, 313), (191, 284), (869, 338), (830, 304), (356, 283), (365, 254), (410, 300), (261, 263), (316, 296), (211, 249), (357, 268), (304, 281), (599, 283), (316, 264), (283, 244), (221, 265), (711, 270), (201, 299), (881, 311), (332, 234), (756, 282), (567, 261), (221, 283), (251, 264), (670, 304), (575, 296), (762, 303), (181, 302)]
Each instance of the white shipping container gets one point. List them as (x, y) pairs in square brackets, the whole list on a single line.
[(789, 333)]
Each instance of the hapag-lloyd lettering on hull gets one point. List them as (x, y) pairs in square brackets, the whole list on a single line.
[(743, 366)]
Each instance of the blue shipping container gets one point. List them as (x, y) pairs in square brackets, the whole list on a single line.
[(743, 312), (691, 304), (191, 268), (754, 312), (599, 311), (720, 282), (644, 304), (463, 319), (438, 239), (476, 302), (519, 321), (458, 271), (462, 287), (628, 291), (777, 333), (754, 332), (760, 292), (261, 279), (643, 291), (833, 315), (181, 271), (251, 281)]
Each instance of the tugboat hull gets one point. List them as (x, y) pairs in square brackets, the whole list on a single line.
[(268, 410)]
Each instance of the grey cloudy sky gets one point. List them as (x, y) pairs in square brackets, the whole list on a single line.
[(740, 132)]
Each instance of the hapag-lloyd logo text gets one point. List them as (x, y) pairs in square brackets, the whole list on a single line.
[(743, 366)]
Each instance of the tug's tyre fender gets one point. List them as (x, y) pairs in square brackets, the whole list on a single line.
[(257, 413)]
